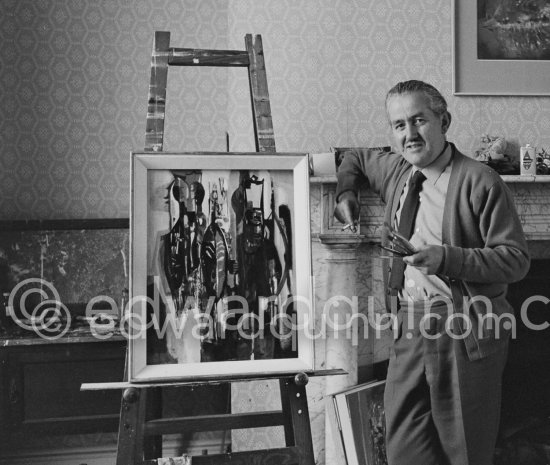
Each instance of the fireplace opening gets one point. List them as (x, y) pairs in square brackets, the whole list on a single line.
[(524, 437)]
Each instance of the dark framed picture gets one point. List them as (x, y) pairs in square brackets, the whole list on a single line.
[(64, 270), (220, 283), (501, 47)]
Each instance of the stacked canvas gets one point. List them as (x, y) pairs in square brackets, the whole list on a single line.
[(359, 415)]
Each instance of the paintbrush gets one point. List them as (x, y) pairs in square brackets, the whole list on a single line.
[(399, 244)]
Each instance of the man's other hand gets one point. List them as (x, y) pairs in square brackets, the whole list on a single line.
[(347, 209), (428, 259)]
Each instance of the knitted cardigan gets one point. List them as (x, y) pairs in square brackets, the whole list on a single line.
[(483, 241)]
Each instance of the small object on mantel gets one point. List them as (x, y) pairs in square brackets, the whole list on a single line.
[(322, 164), (543, 162), (528, 161), (492, 148), (492, 153)]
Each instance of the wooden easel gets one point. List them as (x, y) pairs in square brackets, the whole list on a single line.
[(141, 426)]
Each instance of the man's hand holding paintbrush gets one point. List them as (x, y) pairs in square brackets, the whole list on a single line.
[(397, 244), (427, 258)]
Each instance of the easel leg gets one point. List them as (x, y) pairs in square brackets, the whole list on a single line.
[(130, 429), (285, 404), (152, 445), (294, 389), (156, 103)]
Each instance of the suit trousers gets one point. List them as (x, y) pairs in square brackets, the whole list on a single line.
[(441, 408)]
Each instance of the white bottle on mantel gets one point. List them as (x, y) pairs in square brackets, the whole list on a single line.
[(528, 160)]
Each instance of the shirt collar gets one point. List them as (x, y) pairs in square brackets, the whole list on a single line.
[(434, 170)]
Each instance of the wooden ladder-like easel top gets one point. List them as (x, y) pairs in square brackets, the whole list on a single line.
[(252, 58)]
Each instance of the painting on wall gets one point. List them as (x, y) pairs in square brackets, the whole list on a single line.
[(73, 268), (220, 266), (501, 47)]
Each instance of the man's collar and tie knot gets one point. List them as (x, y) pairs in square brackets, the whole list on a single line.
[(416, 180)]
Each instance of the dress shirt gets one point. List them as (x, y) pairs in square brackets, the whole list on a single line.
[(428, 228)]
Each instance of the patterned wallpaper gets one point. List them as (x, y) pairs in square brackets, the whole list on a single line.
[(73, 85)]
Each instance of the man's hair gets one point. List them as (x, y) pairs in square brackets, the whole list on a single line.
[(436, 101)]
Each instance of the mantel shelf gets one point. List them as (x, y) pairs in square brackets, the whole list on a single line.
[(526, 178), (328, 179), (511, 179)]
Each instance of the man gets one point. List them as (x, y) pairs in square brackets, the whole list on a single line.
[(442, 398)]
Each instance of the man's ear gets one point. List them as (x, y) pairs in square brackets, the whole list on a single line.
[(445, 122)]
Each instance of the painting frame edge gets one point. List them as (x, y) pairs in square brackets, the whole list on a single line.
[(139, 371)]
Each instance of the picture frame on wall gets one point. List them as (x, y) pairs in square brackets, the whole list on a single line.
[(501, 47), (220, 282), (63, 276)]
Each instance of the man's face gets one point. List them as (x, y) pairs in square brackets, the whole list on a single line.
[(417, 131)]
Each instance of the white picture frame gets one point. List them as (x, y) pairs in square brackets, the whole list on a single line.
[(234, 224)]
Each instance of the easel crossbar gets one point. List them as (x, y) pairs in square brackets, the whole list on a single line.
[(200, 57), (220, 422), (207, 381)]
